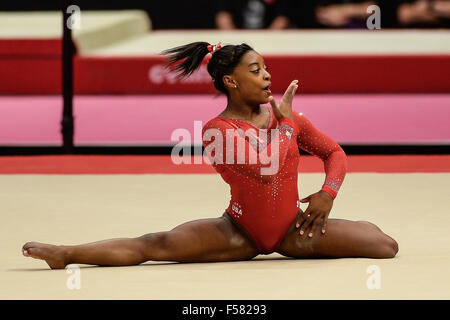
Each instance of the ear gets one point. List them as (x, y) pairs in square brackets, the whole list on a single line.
[(229, 82)]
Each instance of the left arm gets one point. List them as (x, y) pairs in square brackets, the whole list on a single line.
[(322, 146), (334, 158)]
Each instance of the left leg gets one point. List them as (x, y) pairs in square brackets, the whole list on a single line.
[(343, 239), (204, 240)]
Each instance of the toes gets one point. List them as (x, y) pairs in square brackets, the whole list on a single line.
[(29, 252), (28, 245), (26, 249), (32, 252)]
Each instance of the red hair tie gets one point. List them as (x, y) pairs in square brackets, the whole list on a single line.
[(213, 49)]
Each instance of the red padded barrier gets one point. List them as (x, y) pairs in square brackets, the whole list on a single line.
[(34, 67), (77, 164), (30, 66), (317, 74), (30, 47), (30, 75)]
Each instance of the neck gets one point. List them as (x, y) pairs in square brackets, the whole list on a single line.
[(242, 110)]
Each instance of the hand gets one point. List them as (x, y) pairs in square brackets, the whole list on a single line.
[(280, 22), (333, 15), (320, 204), (284, 109), (414, 13), (441, 8), (224, 21)]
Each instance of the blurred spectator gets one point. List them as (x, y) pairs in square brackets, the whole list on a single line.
[(424, 13), (394, 13), (342, 13), (253, 14), (275, 14)]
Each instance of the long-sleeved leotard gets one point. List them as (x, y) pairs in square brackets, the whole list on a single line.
[(260, 165)]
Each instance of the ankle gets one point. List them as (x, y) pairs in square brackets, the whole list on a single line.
[(66, 254)]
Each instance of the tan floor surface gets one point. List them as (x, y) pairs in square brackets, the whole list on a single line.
[(73, 209)]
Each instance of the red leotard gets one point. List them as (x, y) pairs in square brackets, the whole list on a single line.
[(267, 205)]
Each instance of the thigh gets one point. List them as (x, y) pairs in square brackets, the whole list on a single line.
[(206, 240), (343, 238)]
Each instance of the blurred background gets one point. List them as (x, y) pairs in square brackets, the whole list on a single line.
[(226, 14), (374, 75)]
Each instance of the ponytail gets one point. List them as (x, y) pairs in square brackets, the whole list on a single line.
[(192, 55), (188, 58)]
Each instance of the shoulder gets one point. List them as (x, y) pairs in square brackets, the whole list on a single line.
[(301, 121), (299, 118), (217, 123), (298, 115), (214, 122)]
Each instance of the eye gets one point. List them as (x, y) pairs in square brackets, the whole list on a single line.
[(267, 68), (255, 71)]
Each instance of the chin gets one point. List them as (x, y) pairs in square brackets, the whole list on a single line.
[(260, 102), (265, 100)]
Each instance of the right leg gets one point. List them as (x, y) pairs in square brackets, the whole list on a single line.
[(205, 240), (343, 239)]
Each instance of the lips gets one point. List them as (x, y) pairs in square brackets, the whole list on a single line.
[(267, 90)]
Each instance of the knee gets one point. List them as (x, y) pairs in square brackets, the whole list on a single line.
[(370, 224), (154, 245), (390, 247), (387, 246), (394, 246)]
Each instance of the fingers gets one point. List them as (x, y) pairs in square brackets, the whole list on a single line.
[(315, 223), (275, 108), (307, 199), (272, 102), (293, 84), (292, 87), (310, 221), (290, 91), (293, 90), (302, 222), (324, 225)]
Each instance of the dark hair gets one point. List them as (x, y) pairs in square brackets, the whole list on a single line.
[(190, 56)]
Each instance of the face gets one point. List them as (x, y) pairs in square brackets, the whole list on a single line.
[(251, 78)]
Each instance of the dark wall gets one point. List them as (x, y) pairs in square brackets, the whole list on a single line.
[(169, 14), (197, 14)]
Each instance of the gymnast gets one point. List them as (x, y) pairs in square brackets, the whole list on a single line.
[(264, 214)]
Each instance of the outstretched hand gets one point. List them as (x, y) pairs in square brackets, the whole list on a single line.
[(320, 204), (284, 109)]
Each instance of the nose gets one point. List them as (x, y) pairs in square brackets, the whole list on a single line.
[(267, 75)]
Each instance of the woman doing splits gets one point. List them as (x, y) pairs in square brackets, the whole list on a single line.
[(255, 148)]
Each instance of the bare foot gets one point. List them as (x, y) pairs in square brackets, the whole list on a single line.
[(53, 255)]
